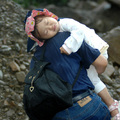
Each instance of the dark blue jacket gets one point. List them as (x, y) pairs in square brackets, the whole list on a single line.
[(67, 65)]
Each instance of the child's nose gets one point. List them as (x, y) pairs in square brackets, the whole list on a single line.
[(50, 27)]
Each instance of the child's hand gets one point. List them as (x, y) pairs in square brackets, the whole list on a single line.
[(63, 51)]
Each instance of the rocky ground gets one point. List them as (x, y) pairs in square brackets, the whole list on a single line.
[(14, 60)]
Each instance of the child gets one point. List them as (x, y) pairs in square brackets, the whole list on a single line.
[(50, 25)]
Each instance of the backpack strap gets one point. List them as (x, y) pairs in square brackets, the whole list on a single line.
[(42, 54), (42, 58), (78, 73)]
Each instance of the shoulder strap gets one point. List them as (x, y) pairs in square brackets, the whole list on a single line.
[(42, 58), (78, 73), (43, 51)]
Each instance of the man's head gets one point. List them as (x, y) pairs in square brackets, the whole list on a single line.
[(32, 28)]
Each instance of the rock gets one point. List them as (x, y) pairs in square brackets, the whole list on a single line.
[(22, 67), (7, 76), (102, 7), (1, 74), (106, 79), (9, 102), (5, 49), (20, 76), (116, 72), (113, 39), (116, 86), (10, 113), (118, 90), (117, 80), (2, 82), (26, 63), (14, 66), (109, 70), (73, 3), (17, 47)]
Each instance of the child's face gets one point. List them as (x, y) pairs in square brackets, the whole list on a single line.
[(48, 27)]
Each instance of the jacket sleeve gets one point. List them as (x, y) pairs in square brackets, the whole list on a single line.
[(88, 54)]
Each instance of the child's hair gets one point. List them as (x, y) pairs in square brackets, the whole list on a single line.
[(35, 33)]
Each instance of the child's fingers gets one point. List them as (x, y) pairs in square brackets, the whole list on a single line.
[(63, 51)]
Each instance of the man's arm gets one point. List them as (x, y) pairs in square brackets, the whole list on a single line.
[(88, 54), (100, 64)]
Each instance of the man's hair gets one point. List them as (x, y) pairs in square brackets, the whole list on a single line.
[(36, 33)]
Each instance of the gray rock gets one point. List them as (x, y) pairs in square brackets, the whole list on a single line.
[(22, 67), (113, 39), (1, 74), (10, 113), (2, 82), (109, 70), (20, 76), (14, 66)]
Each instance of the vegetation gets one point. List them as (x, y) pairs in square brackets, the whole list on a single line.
[(27, 3)]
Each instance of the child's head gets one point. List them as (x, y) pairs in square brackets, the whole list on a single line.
[(45, 27), (41, 25)]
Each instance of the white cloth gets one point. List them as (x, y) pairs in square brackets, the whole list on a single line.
[(80, 32), (93, 76)]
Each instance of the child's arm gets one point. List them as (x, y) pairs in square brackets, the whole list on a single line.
[(72, 43), (80, 32)]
